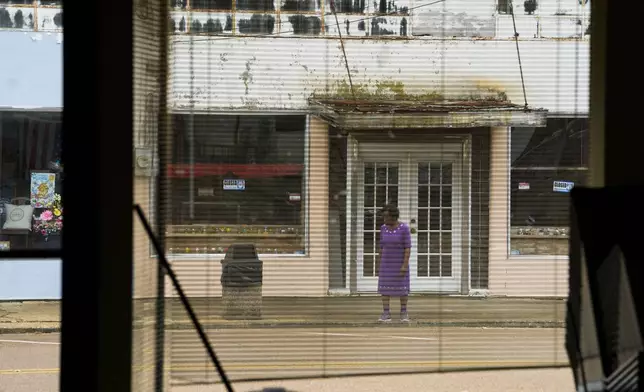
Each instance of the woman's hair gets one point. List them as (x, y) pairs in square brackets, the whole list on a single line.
[(392, 210)]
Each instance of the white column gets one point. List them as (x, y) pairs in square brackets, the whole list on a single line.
[(350, 279), (499, 219)]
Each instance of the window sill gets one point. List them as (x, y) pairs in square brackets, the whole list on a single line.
[(539, 257), (539, 237), (205, 256)]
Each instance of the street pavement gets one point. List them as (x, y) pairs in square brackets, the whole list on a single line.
[(321, 337), (249, 354), (44, 316), (29, 362)]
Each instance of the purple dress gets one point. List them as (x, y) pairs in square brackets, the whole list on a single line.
[(393, 243)]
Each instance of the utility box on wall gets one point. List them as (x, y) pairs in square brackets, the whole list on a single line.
[(145, 162)]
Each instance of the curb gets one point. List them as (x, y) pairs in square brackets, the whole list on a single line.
[(26, 330), (224, 324)]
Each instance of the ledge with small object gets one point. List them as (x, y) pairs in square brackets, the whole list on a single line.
[(215, 239)]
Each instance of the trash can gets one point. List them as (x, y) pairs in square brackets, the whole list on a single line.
[(241, 281)]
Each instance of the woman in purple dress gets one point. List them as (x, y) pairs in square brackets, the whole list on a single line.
[(393, 277)]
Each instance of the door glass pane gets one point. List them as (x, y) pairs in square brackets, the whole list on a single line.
[(423, 267), (434, 242), (392, 195), (434, 265), (369, 245), (381, 173), (392, 174), (446, 173), (369, 200), (446, 199), (446, 265), (422, 243), (369, 221), (435, 174), (381, 195), (380, 220), (446, 221), (434, 219), (423, 219), (376, 266), (435, 196), (446, 243), (368, 265), (423, 196)]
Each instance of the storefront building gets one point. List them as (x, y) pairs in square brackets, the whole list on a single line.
[(275, 144), (437, 126)]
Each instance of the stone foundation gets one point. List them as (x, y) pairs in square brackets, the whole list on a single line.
[(242, 303)]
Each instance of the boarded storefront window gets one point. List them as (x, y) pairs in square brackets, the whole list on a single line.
[(546, 164), (237, 179)]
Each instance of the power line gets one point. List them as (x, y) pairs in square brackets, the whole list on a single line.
[(344, 52), (516, 40)]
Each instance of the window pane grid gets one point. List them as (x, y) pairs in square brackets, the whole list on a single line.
[(435, 219)]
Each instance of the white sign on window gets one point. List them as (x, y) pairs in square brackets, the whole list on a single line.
[(524, 186), (234, 185), (562, 186)]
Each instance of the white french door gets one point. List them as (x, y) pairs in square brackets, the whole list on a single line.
[(425, 183)]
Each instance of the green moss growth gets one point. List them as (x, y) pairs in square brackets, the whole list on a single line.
[(395, 90), (378, 91)]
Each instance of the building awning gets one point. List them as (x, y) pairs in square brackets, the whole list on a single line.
[(395, 114)]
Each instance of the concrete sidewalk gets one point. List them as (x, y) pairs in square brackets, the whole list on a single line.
[(22, 317), (40, 316)]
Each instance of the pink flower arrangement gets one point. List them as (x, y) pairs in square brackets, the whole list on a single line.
[(50, 221)]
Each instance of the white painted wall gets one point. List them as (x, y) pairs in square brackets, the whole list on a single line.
[(281, 73), (31, 70), (38, 279)]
